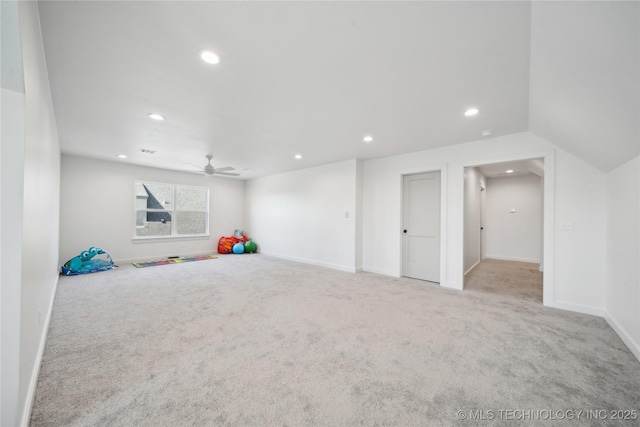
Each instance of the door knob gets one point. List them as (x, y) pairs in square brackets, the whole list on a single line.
[(404, 231)]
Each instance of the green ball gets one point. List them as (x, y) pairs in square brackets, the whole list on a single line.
[(250, 247)]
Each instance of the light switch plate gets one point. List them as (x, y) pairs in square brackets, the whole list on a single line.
[(567, 226)]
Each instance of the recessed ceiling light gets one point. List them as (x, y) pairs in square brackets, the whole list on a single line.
[(156, 116), (509, 171), (368, 138), (297, 156), (471, 112), (487, 132), (122, 156), (210, 57)]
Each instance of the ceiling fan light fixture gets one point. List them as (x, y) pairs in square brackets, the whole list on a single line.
[(210, 170)]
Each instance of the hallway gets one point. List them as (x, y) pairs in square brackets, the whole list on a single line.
[(521, 280)]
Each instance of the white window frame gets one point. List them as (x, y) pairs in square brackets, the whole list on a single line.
[(174, 227)]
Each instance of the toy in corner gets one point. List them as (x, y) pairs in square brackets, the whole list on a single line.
[(87, 262), (236, 244), (250, 246)]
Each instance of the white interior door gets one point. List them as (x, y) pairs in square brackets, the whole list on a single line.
[(421, 226)]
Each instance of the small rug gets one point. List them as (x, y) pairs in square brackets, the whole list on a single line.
[(173, 261)]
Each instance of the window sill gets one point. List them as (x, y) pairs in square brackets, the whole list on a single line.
[(138, 239)]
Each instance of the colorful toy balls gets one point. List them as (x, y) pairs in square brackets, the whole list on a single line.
[(238, 248), (250, 247)]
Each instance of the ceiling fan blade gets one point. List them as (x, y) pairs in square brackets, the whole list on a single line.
[(224, 169), (226, 173), (197, 167)]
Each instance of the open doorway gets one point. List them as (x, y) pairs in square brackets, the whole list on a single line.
[(503, 228)]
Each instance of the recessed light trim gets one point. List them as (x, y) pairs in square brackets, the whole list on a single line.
[(471, 112), (297, 156), (367, 139), (210, 57), (122, 156), (509, 171), (156, 116)]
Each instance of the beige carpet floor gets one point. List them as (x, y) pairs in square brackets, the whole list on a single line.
[(520, 280), (249, 340)]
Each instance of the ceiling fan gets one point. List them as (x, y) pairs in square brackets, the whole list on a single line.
[(209, 170)]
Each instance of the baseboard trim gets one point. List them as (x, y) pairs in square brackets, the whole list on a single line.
[(624, 336), (311, 262), (578, 308), (33, 382), (506, 258), (452, 285), (472, 267), (380, 271)]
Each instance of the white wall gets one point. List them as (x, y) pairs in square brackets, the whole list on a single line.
[(11, 155), (11, 208), (474, 180), (580, 199), (358, 216), (382, 198), (30, 212), (514, 236), (301, 215), (97, 209), (623, 253), (577, 284)]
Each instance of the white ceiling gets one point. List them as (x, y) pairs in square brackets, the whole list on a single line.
[(524, 167), (315, 77), (585, 78)]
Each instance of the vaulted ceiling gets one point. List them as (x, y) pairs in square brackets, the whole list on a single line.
[(313, 78)]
